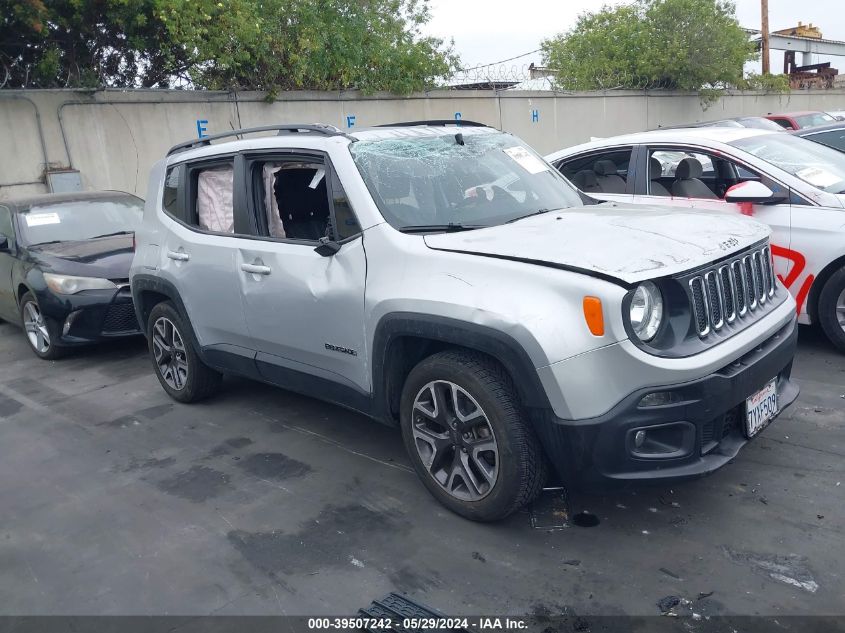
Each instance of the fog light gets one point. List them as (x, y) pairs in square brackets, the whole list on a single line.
[(639, 439), (659, 398), (661, 441), (69, 321)]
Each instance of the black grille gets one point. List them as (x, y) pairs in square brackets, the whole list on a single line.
[(715, 430), (120, 318), (708, 431), (728, 293), (750, 283), (759, 277), (714, 300), (699, 305), (730, 422), (739, 281), (770, 273)]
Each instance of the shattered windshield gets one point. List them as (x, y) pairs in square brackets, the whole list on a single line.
[(815, 164), (458, 180)]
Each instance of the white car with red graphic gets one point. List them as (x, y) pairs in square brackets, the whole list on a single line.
[(794, 185)]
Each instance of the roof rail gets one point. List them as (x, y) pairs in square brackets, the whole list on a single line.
[(288, 128), (435, 122)]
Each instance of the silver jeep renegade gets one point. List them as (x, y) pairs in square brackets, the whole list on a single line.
[(446, 279)]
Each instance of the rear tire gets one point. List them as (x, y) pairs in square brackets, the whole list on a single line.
[(37, 330), (832, 309), (467, 436), (179, 369)]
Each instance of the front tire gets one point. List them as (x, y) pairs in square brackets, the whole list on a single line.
[(36, 329), (179, 369), (832, 309), (467, 437)]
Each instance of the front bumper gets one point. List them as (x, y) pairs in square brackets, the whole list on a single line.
[(89, 317), (707, 413)]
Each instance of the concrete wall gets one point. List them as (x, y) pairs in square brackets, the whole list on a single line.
[(113, 137)]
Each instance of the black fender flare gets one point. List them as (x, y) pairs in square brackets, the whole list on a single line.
[(142, 283), (495, 343)]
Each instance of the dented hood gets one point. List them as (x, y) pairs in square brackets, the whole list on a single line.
[(626, 243)]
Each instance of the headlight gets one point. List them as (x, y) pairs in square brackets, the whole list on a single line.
[(646, 311), (69, 285)]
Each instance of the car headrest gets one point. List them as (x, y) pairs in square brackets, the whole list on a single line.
[(688, 168), (584, 179), (655, 169), (605, 168)]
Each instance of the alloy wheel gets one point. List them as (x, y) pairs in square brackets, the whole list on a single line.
[(36, 328), (455, 440), (169, 353), (840, 309)]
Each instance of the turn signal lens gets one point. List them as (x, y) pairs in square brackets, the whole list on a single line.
[(594, 316)]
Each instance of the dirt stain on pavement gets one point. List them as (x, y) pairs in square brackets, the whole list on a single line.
[(274, 466), (198, 484), (337, 533), (9, 406), (151, 413), (227, 446)]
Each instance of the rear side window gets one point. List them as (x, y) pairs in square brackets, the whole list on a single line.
[(201, 195), (602, 172), (784, 123)]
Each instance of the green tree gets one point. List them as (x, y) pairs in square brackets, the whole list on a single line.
[(278, 45), (86, 43), (694, 45), (268, 45)]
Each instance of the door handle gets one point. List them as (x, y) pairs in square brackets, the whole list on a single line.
[(179, 256), (256, 269)]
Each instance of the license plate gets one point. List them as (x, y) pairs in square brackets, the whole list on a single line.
[(761, 408)]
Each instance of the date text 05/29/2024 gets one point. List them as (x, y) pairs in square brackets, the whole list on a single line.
[(457, 624)]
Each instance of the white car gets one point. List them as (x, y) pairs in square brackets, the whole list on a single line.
[(795, 186)]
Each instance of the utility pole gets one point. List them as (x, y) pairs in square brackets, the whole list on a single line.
[(764, 39)]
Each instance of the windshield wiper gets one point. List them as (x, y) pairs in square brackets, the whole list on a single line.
[(528, 215), (112, 234), (448, 228)]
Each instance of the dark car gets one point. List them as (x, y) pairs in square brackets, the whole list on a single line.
[(64, 267), (832, 135)]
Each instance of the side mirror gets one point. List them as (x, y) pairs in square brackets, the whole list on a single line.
[(754, 192), (327, 247), (4, 243)]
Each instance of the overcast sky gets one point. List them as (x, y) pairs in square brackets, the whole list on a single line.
[(487, 31)]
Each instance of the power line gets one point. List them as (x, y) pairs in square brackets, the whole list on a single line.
[(509, 59)]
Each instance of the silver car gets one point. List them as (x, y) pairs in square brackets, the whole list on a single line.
[(795, 186), (449, 281)]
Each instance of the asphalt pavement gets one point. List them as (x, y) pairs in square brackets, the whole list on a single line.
[(116, 500)]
